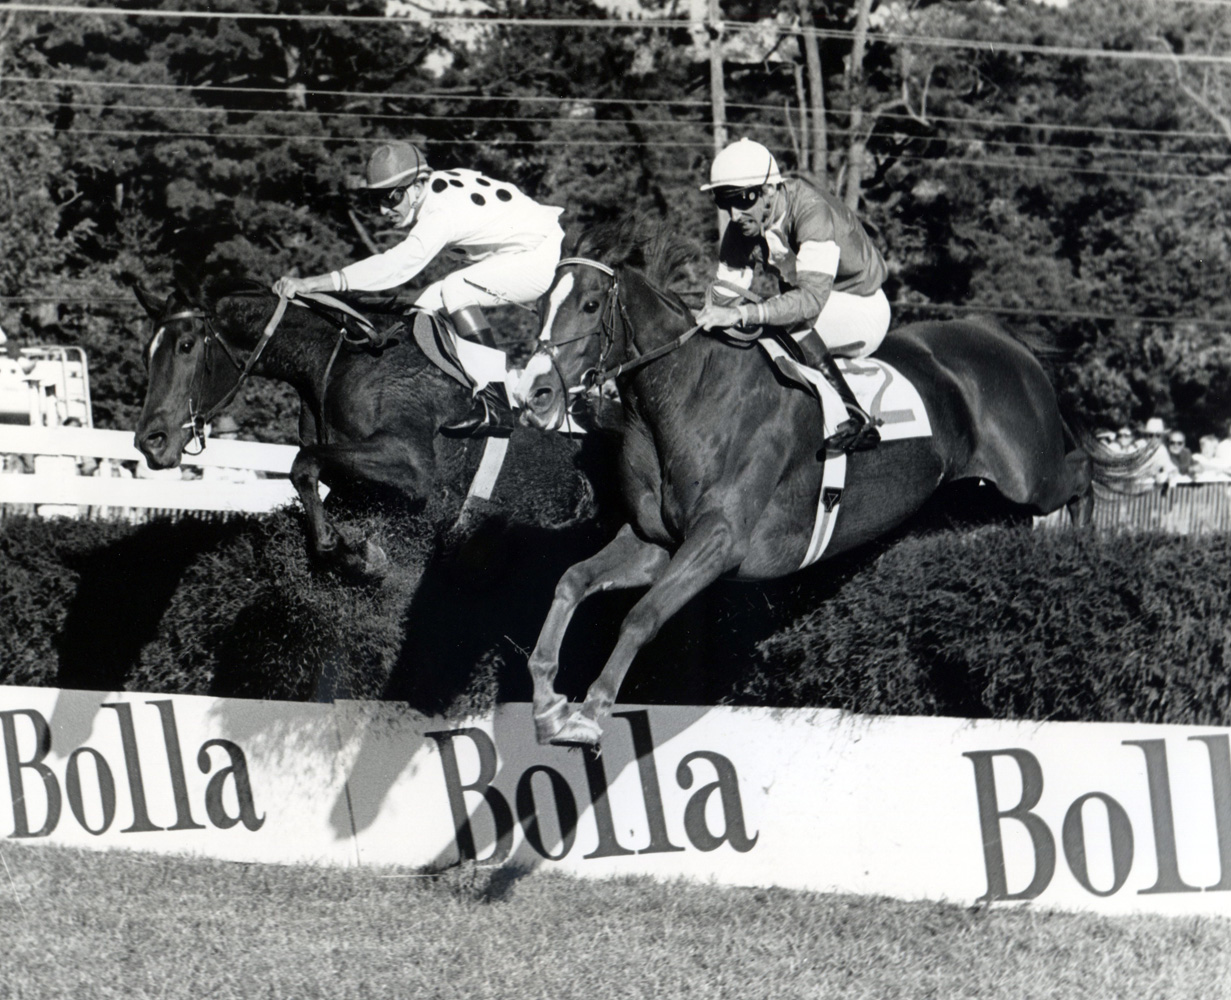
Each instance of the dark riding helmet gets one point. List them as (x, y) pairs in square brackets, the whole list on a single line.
[(396, 164)]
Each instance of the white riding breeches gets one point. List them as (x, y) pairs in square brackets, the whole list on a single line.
[(853, 326), (512, 277)]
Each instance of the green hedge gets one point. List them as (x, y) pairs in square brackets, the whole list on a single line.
[(1015, 624), (993, 622)]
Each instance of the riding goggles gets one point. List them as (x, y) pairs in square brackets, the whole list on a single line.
[(387, 197), (736, 198)]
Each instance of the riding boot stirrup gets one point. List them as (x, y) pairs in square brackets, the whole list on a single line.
[(857, 433), (490, 416)]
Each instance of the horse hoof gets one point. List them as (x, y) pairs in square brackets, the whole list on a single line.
[(375, 562), (548, 723), (578, 731)]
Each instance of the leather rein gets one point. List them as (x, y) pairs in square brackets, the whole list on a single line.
[(198, 420), (613, 306)]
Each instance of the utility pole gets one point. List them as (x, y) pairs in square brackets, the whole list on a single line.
[(718, 93), (857, 148), (816, 95)]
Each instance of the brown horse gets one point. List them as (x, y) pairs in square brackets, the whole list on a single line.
[(368, 415), (719, 466)]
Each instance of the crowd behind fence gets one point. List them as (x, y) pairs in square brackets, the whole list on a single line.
[(1186, 508)]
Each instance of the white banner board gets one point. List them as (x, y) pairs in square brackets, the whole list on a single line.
[(1102, 817)]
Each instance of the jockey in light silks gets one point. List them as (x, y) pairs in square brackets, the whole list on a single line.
[(511, 242), (829, 272)]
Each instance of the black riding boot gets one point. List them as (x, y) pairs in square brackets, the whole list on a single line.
[(472, 324), (858, 432), (490, 415)]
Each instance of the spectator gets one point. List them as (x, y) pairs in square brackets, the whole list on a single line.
[(16, 465), (225, 428), (1106, 437), (1157, 468), (1125, 441), (1177, 451), (1223, 452), (1206, 465), (87, 465)]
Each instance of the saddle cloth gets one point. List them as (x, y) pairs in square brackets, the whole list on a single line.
[(883, 393)]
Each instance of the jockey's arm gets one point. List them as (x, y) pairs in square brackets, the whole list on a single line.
[(381, 271), (816, 266)]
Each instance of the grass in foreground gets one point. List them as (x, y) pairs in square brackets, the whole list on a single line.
[(99, 925)]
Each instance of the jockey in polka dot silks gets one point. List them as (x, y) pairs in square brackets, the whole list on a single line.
[(510, 243), (828, 270)]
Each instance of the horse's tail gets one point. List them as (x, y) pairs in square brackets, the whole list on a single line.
[(1113, 470)]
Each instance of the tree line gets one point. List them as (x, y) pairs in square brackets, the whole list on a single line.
[(1060, 168)]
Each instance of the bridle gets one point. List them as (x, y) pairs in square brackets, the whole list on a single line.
[(198, 420), (613, 307)]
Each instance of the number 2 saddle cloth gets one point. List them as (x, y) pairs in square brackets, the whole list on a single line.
[(885, 395)]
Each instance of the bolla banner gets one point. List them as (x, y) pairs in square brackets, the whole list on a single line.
[(1111, 818)]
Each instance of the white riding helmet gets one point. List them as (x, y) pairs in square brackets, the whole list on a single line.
[(395, 164), (743, 164)]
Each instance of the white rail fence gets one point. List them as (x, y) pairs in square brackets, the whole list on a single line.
[(1182, 508), (112, 493)]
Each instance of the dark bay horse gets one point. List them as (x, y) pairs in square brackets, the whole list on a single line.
[(368, 415), (719, 467)]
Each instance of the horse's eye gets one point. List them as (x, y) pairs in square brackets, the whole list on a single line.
[(185, 345), (591, 306)]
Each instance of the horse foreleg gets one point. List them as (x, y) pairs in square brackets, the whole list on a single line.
[(383, 459), (626, 561), (711, 549)]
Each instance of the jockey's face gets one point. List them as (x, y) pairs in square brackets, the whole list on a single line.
[(753, 218), (402, 211)]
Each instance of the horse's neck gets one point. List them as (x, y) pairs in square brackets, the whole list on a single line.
[(652, 321), (298, 351)]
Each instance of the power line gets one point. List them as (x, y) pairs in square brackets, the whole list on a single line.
[(1020, 165), (580, 100), (1067, 168), (646, 123), (924, 41), (903, 306), (1003, 123)]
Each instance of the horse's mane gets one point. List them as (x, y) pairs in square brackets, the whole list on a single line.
[(381, 305), (225, 287), (651, 246)]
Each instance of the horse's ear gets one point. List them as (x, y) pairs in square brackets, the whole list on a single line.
[(150, 302), (187, 283)]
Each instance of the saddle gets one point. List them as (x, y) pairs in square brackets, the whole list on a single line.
[(431, 332)]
